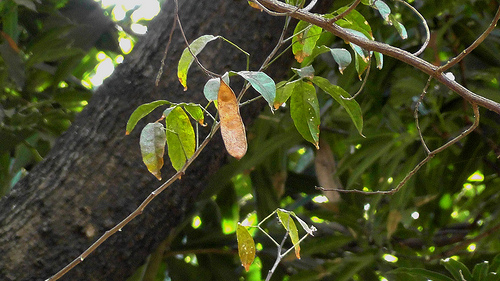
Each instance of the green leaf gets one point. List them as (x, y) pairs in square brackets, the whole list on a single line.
[(383, 9), (212, 86), (196, 112), (342, 57), (304, 110), (379, 58), (361, 65), (181, 141), (457, 269), (480, 271), (356, 21), (187, 59), (399, 27), (287, 222), (495, 264), (283, 92), (152, 142), (262, 83), (419, 272), (351, 106), (141, 112), (305, 72), (246, 246), (304, 41)]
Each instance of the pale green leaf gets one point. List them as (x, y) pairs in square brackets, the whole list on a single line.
[(262, 83), (342, 57), (383, 9), (305, 72), (399, 27), (187, 59), (152, 142), (246, 246), (212, 86), (336, 92), (304, 109), (181, 141), (141, 112), (379, 58)]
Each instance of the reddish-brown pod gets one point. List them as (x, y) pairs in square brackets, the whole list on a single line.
[(231, 125)]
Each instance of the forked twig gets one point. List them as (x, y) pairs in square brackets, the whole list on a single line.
[(476, 43), (429, 156), (415, 114), (362, 85)]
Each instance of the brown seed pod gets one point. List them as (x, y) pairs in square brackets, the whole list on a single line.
[(231, 125)]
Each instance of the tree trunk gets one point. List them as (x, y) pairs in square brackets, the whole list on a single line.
[(94, 177)]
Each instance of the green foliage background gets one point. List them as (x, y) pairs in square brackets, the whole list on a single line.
[(448, 209)]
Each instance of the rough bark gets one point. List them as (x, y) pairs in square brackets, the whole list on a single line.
[(94, 176)]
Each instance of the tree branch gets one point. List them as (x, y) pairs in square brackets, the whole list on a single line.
[(383, 48)]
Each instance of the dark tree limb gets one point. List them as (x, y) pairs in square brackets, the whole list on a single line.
[(397, 53)]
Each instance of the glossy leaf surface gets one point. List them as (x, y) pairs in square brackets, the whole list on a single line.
[(262, 83), (246, 246), (304, 109)]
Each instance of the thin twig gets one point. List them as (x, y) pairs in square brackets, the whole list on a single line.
[(208, 72), (476, 43), (273, 13), (279, 256), (419, 165), (137, 211), (360, 88), (162, 65), (343, 14), (415, 114), (426, 26)]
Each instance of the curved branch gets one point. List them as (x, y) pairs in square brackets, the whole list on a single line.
[(476, 43), (385, 49), (426, 26)]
